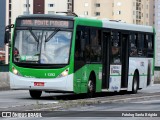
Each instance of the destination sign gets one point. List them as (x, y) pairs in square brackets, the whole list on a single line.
[(45, 23)]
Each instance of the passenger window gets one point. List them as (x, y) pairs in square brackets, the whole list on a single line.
[(96, 54), (139, 45), (149, 45), (88, 44), (133, 45), (81, 40), (116, 46)]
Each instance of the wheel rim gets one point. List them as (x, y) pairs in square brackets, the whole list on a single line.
[(90, 86)]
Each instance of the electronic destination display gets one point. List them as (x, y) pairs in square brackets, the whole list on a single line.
[(44, 23)]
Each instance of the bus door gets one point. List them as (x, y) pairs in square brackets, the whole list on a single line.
[(106, 59), (119, 60), (115, 61)]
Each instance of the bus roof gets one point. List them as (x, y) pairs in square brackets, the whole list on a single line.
[(126, 26), (104, 23), (114, 25)]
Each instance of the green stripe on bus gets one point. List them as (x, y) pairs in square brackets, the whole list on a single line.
[(157, 68)]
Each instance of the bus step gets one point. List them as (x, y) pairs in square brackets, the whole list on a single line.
[(105, 90), (124, 88)]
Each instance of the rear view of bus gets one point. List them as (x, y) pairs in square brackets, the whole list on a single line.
[(40, 54)]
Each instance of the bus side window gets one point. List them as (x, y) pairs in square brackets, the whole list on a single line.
[(95, 44), (150, 45), (87, 51), (133, 45), (115, 37), (150, 42), (77, 46), (80, 43), (146, 44), (140, 44)]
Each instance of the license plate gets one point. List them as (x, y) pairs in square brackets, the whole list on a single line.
[(38, 83)]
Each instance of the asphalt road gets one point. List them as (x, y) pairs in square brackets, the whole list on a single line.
[(146, 100)]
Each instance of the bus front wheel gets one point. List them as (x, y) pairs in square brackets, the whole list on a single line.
[(91, 86), (35, 94)]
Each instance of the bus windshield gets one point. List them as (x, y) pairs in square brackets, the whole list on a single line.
[(50, 46)]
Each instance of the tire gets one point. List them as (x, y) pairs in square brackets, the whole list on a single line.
[(135, 84), (149, 73), (35, 94)]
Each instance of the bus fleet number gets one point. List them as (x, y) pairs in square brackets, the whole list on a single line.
[(49, 74)]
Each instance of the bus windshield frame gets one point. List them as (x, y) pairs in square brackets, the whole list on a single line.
[(48, 45)]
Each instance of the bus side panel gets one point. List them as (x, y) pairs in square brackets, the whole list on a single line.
[(97, 69), (82, 69), (81, 77), (144, 67)]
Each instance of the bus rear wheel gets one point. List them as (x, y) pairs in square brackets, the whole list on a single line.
[(35, 93), (135, 84)]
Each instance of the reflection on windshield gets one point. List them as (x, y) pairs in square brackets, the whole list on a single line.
[(42, 46)]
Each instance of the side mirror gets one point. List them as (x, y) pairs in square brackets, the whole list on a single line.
[(9, 26), (7, 33)]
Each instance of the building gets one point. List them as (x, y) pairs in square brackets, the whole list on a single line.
[(157, 45), (94, 8), (35, 7), (130, 11), (157, 27)]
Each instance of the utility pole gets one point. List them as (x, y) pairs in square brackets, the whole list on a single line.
[(27, 8)]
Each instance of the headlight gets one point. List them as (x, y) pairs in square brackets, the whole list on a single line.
[(64, 73), (15, 71)]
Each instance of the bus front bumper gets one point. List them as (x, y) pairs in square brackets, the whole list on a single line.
[(52, 84)]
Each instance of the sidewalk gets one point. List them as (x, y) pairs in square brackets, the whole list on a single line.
[(4, 77), (4, 81)]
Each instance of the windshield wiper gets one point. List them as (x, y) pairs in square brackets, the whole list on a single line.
[(34, 36), (51, 35), (30, 30)]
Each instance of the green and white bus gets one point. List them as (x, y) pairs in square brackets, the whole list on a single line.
[(57, 53)]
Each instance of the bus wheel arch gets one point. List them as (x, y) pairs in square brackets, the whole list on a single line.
[(135, 82), (92, 84)]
